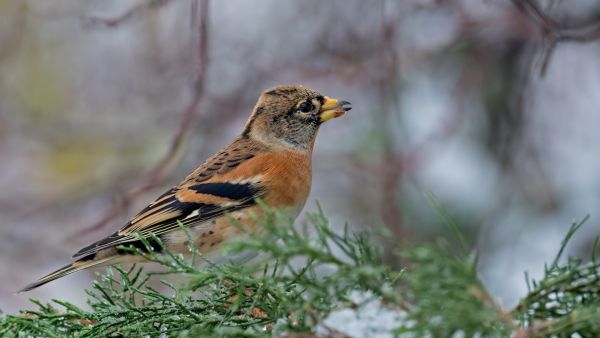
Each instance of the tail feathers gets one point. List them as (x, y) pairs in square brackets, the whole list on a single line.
[(66, 270)]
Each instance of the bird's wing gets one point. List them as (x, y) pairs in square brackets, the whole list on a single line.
[(226, 182)]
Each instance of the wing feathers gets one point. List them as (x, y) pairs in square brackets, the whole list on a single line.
[(188, 205), (205, 194)]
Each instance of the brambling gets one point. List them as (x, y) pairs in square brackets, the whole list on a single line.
[(270, 160)]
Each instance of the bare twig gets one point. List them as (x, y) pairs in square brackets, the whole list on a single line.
[(157, 174), (554, 32), (93, 21), (391, 177)]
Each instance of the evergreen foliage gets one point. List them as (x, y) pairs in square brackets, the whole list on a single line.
[(301, 276)]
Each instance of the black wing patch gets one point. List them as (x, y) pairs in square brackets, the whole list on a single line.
[(232, 191)]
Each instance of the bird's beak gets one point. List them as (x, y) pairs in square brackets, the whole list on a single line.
[(333, 108)]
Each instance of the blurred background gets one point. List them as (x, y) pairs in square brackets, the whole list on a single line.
[(105, 104)]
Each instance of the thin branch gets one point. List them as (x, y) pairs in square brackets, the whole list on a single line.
[(391, 179), (554, 32), (93, 21), (189, 116)]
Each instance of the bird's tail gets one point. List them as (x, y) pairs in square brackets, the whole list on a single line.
[(66, 270)]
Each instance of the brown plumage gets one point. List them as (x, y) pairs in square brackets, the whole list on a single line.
[(270, 160)]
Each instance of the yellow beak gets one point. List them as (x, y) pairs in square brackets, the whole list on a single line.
[(333, 108)]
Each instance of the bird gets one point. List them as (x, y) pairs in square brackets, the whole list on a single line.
[(270, 160)]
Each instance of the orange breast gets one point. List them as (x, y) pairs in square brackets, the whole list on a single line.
[(285, 175), (288, 177)]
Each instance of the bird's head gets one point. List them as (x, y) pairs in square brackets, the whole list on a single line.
[(290, 116)]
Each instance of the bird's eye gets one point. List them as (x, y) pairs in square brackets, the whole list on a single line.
[(305, 107)]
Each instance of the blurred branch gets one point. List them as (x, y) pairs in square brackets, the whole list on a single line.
[(554, 32), (11, 39), (391, 177), (157, 174), (126, 16)]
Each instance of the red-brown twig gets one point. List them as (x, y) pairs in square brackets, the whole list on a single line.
[(157, 174), (391, 179), (554, 32)]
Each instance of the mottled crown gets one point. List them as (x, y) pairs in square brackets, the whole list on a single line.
[(286, 116)]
